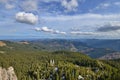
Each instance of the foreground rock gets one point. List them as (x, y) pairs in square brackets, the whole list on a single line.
[(8, 74)]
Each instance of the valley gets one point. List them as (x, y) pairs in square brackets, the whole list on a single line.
[(58, 60)]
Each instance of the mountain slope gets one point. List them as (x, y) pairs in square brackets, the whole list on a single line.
[(34, 64), (30, 65), (56, 45)]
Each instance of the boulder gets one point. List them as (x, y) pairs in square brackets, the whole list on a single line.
[(7, 74)]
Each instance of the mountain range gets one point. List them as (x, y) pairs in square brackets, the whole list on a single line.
[(92, 48)]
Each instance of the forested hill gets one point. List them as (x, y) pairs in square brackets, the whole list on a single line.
[(31, 63), (59, 65)]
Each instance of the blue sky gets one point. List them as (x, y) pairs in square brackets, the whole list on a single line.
[(60, 19)]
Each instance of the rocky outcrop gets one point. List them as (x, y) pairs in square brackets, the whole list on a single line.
[(7, 74), (2, 44)]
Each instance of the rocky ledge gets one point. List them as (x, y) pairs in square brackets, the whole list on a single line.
[(7, 74)]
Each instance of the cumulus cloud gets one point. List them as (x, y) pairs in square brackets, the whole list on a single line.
[(49, 30), (28, 18), (70, 5), (109, 27), (46, 29), (29, 5)]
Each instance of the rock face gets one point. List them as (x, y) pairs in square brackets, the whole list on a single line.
[(8, 74), (2, 44)]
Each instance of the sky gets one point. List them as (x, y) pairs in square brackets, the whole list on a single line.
[(86, 19)]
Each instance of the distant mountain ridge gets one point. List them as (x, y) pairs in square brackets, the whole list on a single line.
[(58, 45), (104, 43)]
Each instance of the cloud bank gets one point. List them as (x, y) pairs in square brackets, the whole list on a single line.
[(109, 27)]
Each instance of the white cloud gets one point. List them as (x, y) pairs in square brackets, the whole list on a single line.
[(70, 5), (105, 30), (97, 34), (49, 30), (46, 29), (28, 18), (81, 33), (59, 32), (89, 22), (37, 29), (30, 5)]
